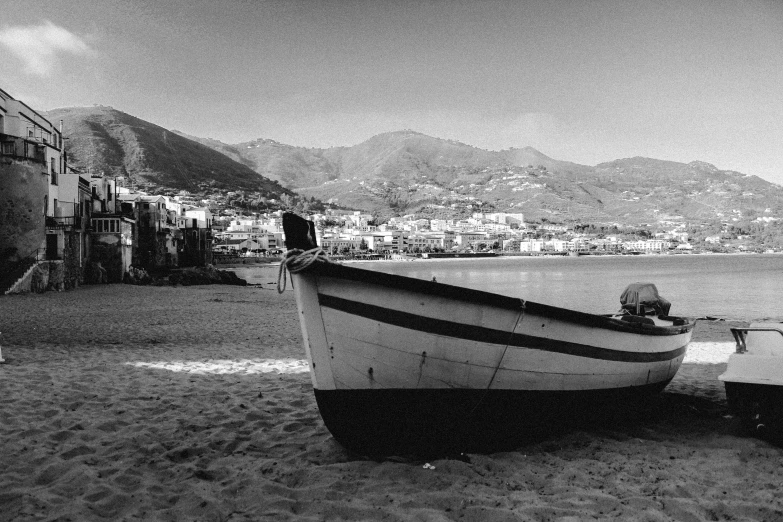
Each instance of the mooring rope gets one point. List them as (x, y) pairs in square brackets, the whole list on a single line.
[(500, 361), (297, 260)]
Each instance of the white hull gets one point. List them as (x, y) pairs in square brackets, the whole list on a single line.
[(759, 357), (358, 338), (754, 379)]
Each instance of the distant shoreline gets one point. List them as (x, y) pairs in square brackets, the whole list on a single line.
[(275, 262)]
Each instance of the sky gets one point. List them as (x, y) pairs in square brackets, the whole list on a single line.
[(586, 81)]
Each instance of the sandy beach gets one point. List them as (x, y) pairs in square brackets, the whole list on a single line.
[(193, 403)]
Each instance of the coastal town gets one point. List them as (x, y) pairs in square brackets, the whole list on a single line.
[(391, 261), (64, 226)]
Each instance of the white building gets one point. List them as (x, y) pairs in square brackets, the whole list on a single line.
[(651, 245), (202, 216), (465, 239), (531, 245)]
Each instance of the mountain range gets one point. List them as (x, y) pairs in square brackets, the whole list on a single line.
[(407, 172)]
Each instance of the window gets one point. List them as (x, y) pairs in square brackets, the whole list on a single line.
[(9, 148), (53, 170)]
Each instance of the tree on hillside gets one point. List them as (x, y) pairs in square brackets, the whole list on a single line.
[(287, 201)]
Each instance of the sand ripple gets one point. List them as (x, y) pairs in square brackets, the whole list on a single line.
[(121, 403)]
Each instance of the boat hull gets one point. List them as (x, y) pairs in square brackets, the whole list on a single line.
[(403, 365), (754, 379), (452, 421)]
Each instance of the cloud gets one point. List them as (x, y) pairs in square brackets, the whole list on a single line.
[(40, 46)]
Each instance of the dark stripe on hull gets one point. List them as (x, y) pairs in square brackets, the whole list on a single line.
[(488, 335), (402, 422)]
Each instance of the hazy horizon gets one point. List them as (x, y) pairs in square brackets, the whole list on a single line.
[(586, 82)]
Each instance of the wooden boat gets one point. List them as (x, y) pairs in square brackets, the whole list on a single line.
[(754, 379), (403, 365)]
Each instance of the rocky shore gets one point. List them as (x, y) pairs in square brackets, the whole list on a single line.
[(208, 275)]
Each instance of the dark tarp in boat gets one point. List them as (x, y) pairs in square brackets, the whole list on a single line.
[(643, 299)]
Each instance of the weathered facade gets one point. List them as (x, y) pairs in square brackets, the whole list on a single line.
[(72, 227), (196, 227), (22, 208), (32, 162), (112, 244), (112, 230), (196, 244), (152, 229)]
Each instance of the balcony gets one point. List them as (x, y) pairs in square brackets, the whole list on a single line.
[(22, 149), (63, 222)]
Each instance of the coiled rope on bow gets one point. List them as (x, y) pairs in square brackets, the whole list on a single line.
[(297, 260)]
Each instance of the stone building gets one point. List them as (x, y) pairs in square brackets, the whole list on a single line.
[(33, 220), (112, 231), (196, 228), (74, 225), (152, 231)]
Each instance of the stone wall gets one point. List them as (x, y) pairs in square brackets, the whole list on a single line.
[(73, 274), (107, 251), (22, 214), (47, 275)]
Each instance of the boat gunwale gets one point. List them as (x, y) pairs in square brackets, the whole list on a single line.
[(470, 295)]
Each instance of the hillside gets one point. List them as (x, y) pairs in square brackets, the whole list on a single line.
[(104, 140), (408, 172)]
